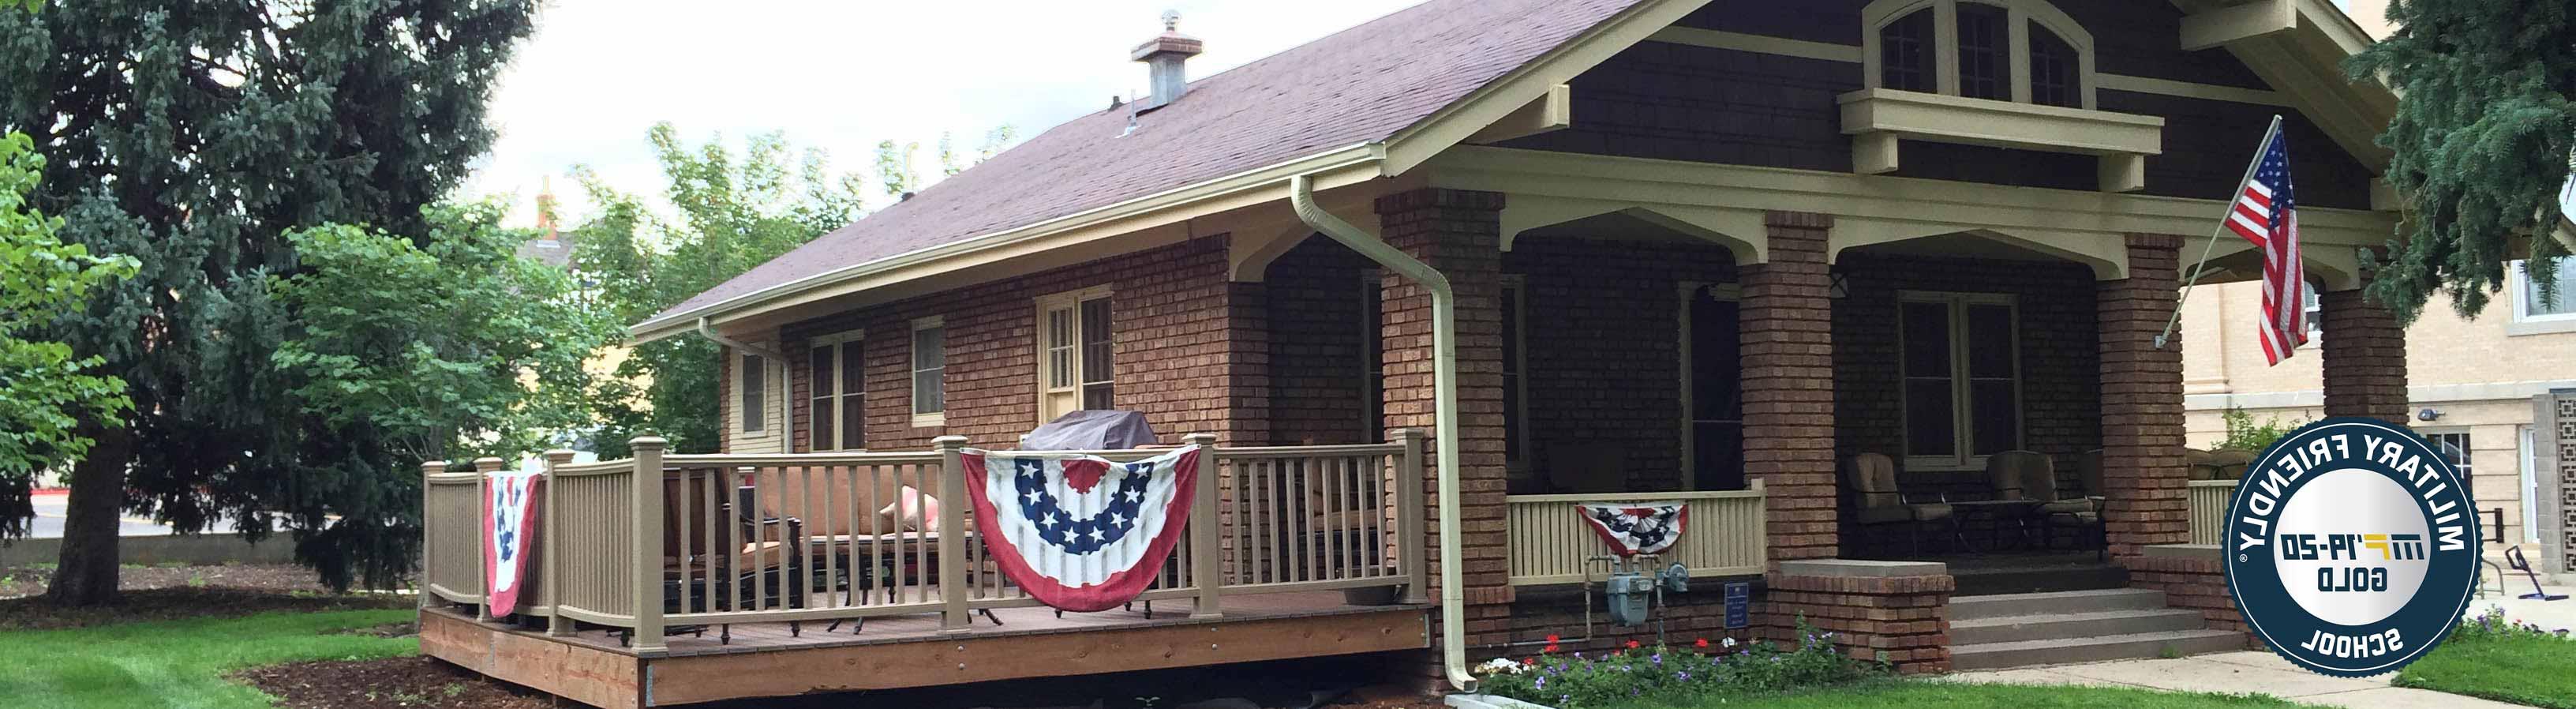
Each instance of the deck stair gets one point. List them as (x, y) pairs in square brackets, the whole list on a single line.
[(2019, 629)]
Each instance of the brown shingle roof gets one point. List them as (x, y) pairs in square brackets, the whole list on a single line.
[(1360, 85)]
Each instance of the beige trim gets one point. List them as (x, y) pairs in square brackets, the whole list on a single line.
[(1867, 205), (1333, 168), (1551, 112), (2235, 23), (1878, 118), (2213, 92), (1758, 44), (839, 397), (1454, 123)]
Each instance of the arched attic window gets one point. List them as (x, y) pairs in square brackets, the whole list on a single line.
[(2024, 51)]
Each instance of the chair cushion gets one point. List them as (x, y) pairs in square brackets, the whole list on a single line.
[(2079, 505), (1930, 511), (911, 511)]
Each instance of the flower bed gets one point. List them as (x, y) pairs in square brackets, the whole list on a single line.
[(1661, 671)]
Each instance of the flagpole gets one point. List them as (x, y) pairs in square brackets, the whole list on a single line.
[(2232, 197)]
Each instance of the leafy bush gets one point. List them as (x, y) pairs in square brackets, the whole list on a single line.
[(2245, 435), (1723, 667)]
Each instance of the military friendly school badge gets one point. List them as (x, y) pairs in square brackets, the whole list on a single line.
[(2352, 547)]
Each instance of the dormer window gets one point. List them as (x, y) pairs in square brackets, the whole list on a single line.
[(2024, 51)]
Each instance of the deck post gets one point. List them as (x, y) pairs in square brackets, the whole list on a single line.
[(1207, 563), (646, 561), (1409, 509), (483, 470), (428, 518), (552, 558), (953, 593)]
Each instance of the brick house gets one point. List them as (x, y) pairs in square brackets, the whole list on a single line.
[(1696, 249)]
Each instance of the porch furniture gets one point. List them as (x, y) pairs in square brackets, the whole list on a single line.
[(2022, 481), (2217, 464), (1878, 502), (2081, 510)]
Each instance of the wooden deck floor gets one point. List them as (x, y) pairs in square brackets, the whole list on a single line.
[(771, 659)]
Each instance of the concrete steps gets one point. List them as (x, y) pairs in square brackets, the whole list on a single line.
[(2018, 629)]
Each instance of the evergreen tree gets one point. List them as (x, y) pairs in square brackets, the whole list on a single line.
[(2485, 141), (193, 135)]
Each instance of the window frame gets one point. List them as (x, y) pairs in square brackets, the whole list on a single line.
[(1372, 359), (1078, 382), (751, 398), (914, 370), (2019, 17), (1719, 292), (2525, 322), (843, 401), (1963, 427), (1516, 463)]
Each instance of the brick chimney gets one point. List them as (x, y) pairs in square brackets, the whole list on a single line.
[(1163, 56)]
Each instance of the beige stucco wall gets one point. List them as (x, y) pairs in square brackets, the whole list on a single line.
[(2474, 372)]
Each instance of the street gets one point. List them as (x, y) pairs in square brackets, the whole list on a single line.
[(49, 521)]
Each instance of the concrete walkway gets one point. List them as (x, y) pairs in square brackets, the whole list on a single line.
[(2237, 673)]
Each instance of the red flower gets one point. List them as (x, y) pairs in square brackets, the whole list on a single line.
[(1632, 645), (1551, 640), (1702, 642), (1530, 662), (1551, 648)]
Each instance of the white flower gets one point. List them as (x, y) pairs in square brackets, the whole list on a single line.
[(1500, 665), (1728, 642)]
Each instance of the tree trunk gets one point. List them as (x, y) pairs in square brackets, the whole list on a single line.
[(87, 574)]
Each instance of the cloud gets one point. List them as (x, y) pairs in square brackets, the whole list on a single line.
[(839, 76)]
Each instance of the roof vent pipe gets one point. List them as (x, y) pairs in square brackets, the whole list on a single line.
[(1163, 56)]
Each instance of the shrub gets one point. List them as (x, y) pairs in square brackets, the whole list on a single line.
[(1723, 667), (2244, 434), (2492, 625)]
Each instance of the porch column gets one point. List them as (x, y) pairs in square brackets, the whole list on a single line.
[(1788, 385), (1459, 233), (2364, 358), (2146, 501)]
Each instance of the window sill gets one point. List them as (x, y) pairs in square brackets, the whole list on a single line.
[(930, 420), (1877, 119), (2539, 326)]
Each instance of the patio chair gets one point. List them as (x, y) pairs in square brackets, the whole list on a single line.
[(1878, 502), (2081, 510), (2023, 476)]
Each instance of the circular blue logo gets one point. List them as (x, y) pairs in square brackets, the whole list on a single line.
[(2352, 546)]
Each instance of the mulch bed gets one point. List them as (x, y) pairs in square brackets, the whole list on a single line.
[(16, 582), (392, 683)]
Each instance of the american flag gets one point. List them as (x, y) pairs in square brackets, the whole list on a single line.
[(2267, 214)]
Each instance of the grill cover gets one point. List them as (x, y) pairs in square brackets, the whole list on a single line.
[(1091, 430)]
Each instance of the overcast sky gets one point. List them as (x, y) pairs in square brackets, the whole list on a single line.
[(838, 75)]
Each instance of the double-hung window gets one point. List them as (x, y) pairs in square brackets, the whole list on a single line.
[(1962, 371), (751, 389), (837, 377), (2535, 311), (929, 364), (1075, 353)]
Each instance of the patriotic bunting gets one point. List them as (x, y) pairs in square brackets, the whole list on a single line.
[(1078, 532), (509, 522), (1632, 528)]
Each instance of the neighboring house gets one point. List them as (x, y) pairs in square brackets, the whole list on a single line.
[(1699, 250), (2470, 383)]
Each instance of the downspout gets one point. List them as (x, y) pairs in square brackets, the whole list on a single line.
[(1444, 365)]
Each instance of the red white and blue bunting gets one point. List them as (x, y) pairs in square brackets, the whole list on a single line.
[(1079, 532), (1632, 528), (509, 522)]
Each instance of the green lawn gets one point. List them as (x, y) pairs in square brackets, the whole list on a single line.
[(179, 663), (1924, 694), (2522, 668)]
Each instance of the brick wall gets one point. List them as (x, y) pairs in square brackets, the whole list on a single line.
[(2142, 429), (2189, 582), (1558, 610), (2061, 391), (1458, 233), (1318, 345), (1787, 340), (2364, 358), (1906, 617), (1189, 346)]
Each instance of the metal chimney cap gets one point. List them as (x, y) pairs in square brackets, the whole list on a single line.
[(1171, 41)]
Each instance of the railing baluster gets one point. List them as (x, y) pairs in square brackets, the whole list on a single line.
[(1409, 517), (646, 572), (952, 521), (1203, 530)]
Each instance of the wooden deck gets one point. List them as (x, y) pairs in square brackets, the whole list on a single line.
[(770, 659)]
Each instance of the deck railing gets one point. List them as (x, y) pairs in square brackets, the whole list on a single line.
[(2209, 500), (730, 538), (1550, 543)]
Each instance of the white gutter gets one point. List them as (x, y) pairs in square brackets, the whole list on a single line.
[(709, 332), (1444, 366)]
